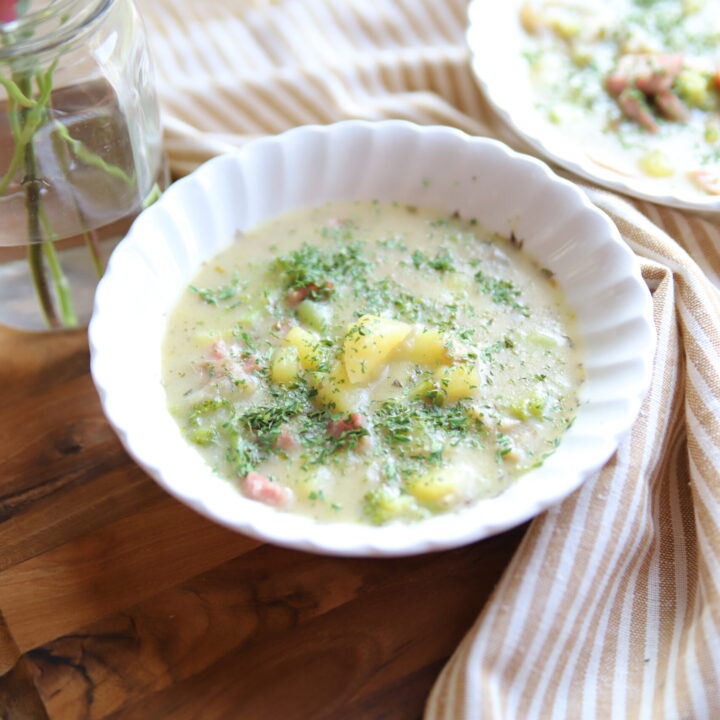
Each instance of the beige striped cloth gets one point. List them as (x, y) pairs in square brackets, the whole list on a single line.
[(611, 606)]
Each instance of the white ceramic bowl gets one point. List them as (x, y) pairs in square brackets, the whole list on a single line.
[(391, 161), (496, 40)]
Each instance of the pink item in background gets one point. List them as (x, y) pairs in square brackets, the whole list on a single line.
[(8, 12)]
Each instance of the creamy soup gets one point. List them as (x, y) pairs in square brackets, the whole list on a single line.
[(372, 363), (635, 82)]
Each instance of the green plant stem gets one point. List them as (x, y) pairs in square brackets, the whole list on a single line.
[(26, 115), (41, 249), (14, 92), (31, 114), (84, 154), (62, 150), (93, 245), (35, 254), (60, 281)]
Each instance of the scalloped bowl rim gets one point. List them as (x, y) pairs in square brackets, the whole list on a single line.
[(555, 149), (130, 402)]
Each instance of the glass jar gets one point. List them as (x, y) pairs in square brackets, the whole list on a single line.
[(80, 151)]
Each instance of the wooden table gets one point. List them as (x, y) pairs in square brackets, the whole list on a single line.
[(117, 601)]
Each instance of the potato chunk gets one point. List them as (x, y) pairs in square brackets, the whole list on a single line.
[(307, 345), (285, 365), (458, 381), (334, 390), (433, 488), (430, 347), (369, 343), (656, 164)]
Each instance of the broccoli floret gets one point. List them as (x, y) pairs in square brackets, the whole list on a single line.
[(385, 504)]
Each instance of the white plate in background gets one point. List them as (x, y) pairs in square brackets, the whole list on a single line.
[(497, 40)]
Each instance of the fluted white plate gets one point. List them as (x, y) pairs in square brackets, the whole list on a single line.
[(438, 167), (496, 40)]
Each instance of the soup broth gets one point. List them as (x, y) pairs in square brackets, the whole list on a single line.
[(372, 363)]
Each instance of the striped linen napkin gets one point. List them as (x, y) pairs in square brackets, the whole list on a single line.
[(611, 605)]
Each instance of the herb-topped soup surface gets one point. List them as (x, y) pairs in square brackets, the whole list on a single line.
[(372, 363)]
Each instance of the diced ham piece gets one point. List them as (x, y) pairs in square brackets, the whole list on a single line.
[(658, 72), (230, 364), (358, 420), (650, 72), (259, 487), (634, 107), (219, 350), (229, 374), (286, 440), (354, 422), (297, 295), (671, 106), (251, 364), (641, 77), (616, 83)]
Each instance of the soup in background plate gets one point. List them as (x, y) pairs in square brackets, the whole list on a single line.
[(624, 93), (636, 84)]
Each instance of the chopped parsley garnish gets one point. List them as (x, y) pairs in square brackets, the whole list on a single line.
[(311, 265), (442, 262), (501, 292), (213, 296), (417, 432), (289, 402), (328, 445)]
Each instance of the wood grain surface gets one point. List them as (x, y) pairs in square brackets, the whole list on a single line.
[(118, 602)]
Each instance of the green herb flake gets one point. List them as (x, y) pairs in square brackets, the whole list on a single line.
[(501, 292), (213, 296)]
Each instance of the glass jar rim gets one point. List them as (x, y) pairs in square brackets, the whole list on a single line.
[(63, 20)]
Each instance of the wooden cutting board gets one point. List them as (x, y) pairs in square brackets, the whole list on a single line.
[(117, 601)]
